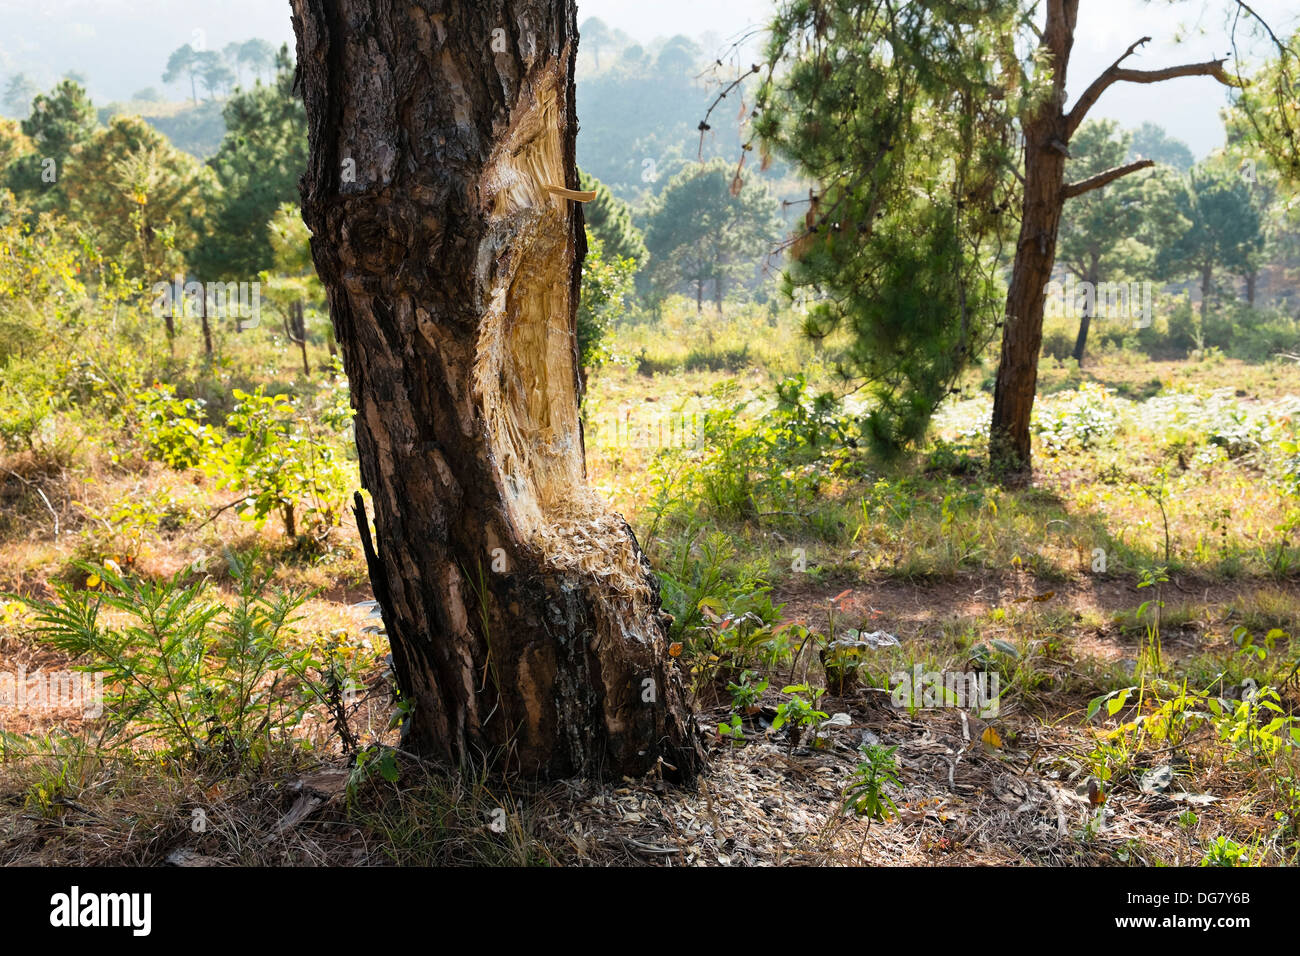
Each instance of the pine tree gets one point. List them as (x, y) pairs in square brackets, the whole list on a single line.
[(1112, 233), (19, 93), (610, 220), (888, 110), (1152, 142), (60, 121), (708, 229), (257, 168), (1223, 231), (137, 196), (888, 106)]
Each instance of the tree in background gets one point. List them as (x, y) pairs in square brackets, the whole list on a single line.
[(13, 142), (255, 55), (60, 121), (994, 74), (182, 63), (230, 54), (888, 112), (292, 284), (608, 281), (1223, 232), (1152, 142), (258, 56), (615, 251), (19, 93), (1110, 233), (609, 219), (213, 72), (636, 134), (139, 199), (678, 57), (595, 35), (704, 230), (257, 167)]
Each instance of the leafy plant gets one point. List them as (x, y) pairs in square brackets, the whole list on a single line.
[(1225, 852), (746, 695), (843, 658), (798, 713), (213, 683), (865, 792), (174, 429), (283, 464)]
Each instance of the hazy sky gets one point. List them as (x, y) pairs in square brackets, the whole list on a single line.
[(123, 44), (1188, 108)]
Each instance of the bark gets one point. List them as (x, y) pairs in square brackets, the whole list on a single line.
[(524, 620), (1108, 176), (1045, 133)]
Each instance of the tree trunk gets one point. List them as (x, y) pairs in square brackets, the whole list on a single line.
[(699, 296), (1046, 134), (207, 327), (1022, 333), (1207, 284), (300, 329), (1085, 320), (524, 620), (1252, 280)]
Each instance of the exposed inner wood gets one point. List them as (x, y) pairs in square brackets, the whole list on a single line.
[(526, 363)]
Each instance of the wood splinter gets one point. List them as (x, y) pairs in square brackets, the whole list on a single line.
[(577, 195)]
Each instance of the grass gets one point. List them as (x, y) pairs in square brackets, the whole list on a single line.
[(775, 536)]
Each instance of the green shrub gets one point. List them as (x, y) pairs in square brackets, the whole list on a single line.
[(211, 682)]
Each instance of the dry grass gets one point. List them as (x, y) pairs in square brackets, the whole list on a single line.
[(943, 585)]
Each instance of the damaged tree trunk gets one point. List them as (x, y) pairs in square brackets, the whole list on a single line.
[(524, 619)]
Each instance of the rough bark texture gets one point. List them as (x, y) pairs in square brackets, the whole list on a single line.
[(524, 619)]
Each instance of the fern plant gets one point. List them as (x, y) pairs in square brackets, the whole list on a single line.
[(210, 682)]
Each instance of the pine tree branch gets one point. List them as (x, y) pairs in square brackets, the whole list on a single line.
[(1101, 179), (1116, 73)]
